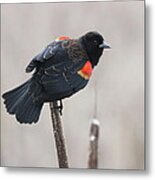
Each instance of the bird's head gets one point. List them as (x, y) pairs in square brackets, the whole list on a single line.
[(94, 44)]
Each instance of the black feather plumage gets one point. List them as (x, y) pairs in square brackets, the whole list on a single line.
[(56, 75)]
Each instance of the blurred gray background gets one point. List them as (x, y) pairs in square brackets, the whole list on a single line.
[(119, 79)]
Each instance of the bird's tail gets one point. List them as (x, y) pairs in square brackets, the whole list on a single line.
[(19, 102)]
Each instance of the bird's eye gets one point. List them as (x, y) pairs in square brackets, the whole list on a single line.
[(95, 42)]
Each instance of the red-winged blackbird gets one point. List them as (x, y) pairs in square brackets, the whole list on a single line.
[(61, 69)]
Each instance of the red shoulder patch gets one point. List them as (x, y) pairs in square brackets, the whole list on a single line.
[(62, 38), (86, 70)]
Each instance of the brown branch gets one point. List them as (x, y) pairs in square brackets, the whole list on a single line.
[(94, 136), (58, 135)]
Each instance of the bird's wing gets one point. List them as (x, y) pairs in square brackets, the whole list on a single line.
[(70, 58), (76, 54), (46, 54)]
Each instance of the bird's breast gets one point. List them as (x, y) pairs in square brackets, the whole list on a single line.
[(86, 71)]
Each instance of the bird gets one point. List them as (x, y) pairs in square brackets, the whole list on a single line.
[(62, 69)]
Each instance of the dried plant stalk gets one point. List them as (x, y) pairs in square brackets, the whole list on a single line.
[(94, 136), (58, 135)]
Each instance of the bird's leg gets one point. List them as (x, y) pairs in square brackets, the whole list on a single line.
[(59, 107)]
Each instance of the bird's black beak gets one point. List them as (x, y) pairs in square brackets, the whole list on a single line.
[(104, 45)]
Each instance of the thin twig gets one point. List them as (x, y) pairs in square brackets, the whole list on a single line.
[(58, 135), (94, 136), (95, 100)]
